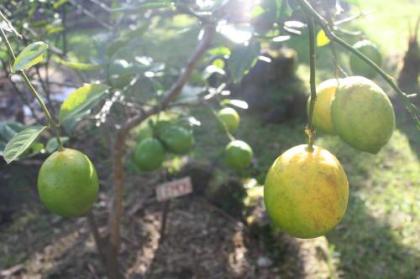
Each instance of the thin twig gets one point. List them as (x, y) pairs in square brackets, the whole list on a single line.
[(412, 109), (52, 125), (310, 131)]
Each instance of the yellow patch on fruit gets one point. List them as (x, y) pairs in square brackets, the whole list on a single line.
[(322, 109), (306, 192)]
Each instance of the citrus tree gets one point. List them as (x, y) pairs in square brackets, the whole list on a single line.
[(129, 82)]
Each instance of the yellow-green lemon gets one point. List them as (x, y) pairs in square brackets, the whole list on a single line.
[(306, 192), (68, 183), (362, 114)]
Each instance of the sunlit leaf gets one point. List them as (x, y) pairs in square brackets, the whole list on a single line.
[(21, 142), (219, 63), (79, 66), (257, 11), (81, 100), (157, 4), (322, 39), (220, 51), (235, 102), (30, 55), (294, 24), (59, 3), (54, 28), (281, 38)]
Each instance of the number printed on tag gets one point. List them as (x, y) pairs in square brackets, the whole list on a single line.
[(174, 189)]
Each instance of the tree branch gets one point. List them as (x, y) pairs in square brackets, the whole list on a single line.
[(412, 109), (119, 148)]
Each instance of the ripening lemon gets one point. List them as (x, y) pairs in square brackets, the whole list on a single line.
[(149, 154), (230, 118), (238, 154), (68, 183), (362, 114), (360, 67), (306, 192), (322, 110)]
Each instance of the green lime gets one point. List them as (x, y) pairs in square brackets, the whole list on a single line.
[(361, 68), (67, 183), (238, 154), (149, 154), (176, 139), (229, 118)]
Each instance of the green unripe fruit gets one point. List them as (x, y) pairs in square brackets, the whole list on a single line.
[(176, 139), (67, 183), (360, 67), (149, 154), (362, 114), (229, 118), (238, 154)]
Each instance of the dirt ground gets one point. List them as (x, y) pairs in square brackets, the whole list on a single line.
[(201, 241)]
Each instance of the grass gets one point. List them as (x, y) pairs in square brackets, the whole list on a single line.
[(388, 22), (378, 237)]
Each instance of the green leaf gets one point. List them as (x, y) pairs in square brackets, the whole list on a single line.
[(157, 4), (235, 103), (242, 59), (9, 129), (322, 39), (220, 51), (30, 55), (81, 100), (59, 3), (21, 142), (52, 144), (79, 66)]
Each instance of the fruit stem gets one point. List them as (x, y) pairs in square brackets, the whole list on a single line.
[(411, 108), (51, 123), (310, 131)]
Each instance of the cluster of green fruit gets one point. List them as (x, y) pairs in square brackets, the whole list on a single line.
[(157, 139), (238, 154), (306, 189)]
